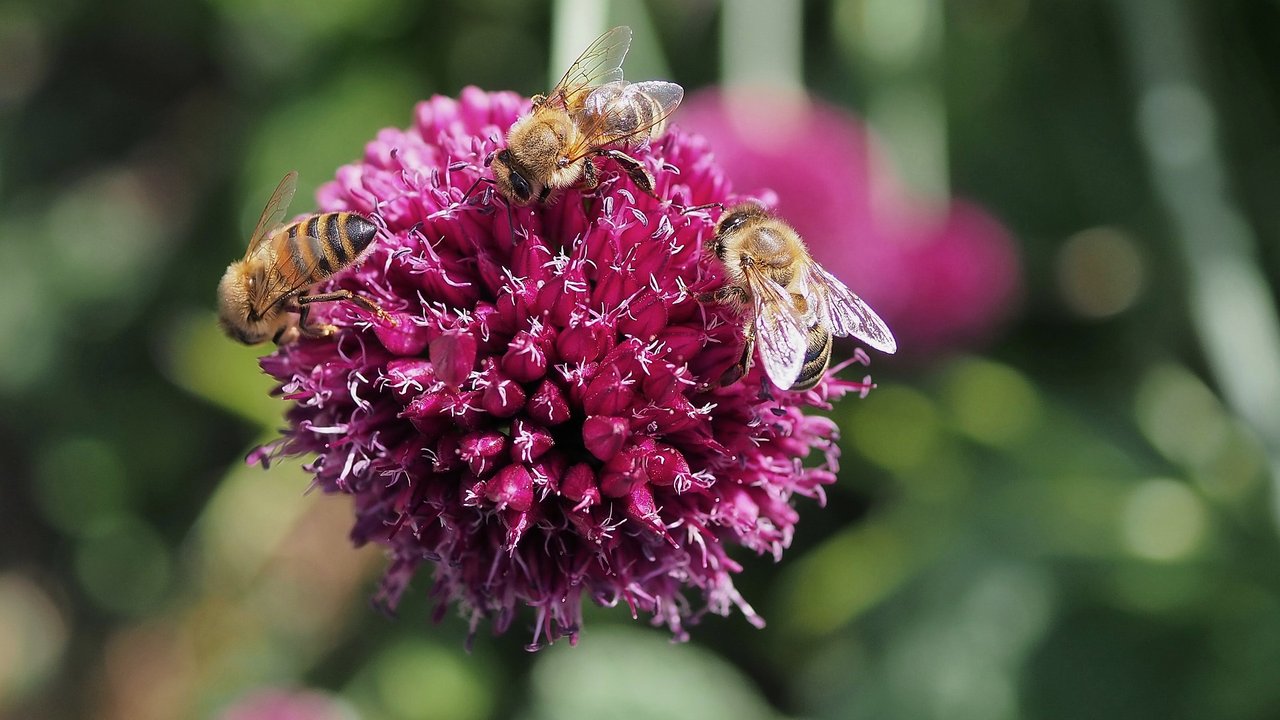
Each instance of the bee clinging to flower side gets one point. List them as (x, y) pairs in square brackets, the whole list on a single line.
[(796, 306), (591, 111), (259, 293)]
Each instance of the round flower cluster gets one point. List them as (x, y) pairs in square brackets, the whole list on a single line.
[(543, 421)]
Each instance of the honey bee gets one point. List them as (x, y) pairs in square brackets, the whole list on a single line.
[(591, 111), (796, 305), (258, 293)]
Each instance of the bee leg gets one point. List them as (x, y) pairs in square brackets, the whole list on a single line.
[(287, 335), (537, 101), (729, 294), (589, 175), (365, 303), (304, 328), (634, 170), (743, 366)]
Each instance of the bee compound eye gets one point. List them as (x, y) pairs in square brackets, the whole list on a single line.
[(521, 186), (731, 222)]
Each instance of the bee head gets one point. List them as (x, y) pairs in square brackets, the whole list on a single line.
[(240, 313), (510, 178), (733, 220)]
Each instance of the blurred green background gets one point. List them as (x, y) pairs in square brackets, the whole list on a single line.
[(1077, 520)]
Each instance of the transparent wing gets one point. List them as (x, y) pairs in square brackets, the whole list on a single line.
[(599, 64), (617, 112), (273, 213), (779, 333), (846, 313), (283, 276)]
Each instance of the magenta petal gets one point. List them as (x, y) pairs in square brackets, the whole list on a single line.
[(482, 450), (548, 405), (646, 316), (409, 377), (604, 436), (529, 441), (666, 465), (641, 508), (579, 485), (404, 337), (584, 342), (503, 398), (511, 488), (606, 394), (525, 360), (453, 355)]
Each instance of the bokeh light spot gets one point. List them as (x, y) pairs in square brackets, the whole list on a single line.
[(893, 31), (247, 517), (33, 634), (1163, 520), (30, 338), (1100, 272), (105, 237), (1177, 120), (124, 565), (79, 484), (896, 427), (1180, 415), (640, 676), (841, 578), (988, 18), (990, 402), (420, 681), (197, 356)]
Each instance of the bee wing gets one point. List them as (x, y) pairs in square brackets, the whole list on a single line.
[(779, 333), (846, 313), (599, 64), (273, 213), (290, 272), (612, 114)]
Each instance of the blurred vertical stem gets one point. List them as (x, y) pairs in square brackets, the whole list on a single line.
[(1229, 297), (574, 24), (761, 44), (896, 46)]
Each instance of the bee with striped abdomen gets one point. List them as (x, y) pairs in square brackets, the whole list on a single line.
[(591, 111), (259, 293), (796, 305)]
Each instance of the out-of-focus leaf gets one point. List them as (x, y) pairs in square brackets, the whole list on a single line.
[(638, 675), (198, 357)]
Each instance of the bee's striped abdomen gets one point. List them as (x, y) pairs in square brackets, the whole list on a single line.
[(629, 109), (323, 244), (817, 355)]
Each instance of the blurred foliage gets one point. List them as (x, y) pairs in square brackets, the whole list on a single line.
[(1068, 524)]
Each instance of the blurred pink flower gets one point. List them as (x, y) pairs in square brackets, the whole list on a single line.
[(941, 281), (287, 704), (544, 425)]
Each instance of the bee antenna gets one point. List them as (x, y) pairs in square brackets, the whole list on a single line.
[(511, 221), (686, 209), (473, 187)]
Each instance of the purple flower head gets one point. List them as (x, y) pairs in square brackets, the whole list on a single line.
[(543, 423), (942, 280)]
